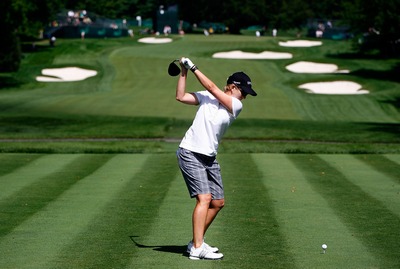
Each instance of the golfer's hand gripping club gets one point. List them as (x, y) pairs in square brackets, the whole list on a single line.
[(188, 64)]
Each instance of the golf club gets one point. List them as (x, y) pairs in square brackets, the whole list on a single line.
[(173, 69)]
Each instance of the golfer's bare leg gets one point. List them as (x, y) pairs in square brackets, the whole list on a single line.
[(215, 207), (199, 218)]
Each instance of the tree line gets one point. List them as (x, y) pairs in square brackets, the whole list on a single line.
[(22, 19)]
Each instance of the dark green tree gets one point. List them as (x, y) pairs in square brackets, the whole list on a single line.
[(245, 13), (119, 8), (291, 14), (22, 20), (376, 23), (235, 14), (10, 50)]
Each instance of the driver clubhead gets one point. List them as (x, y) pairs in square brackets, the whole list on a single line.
[(173, 69)]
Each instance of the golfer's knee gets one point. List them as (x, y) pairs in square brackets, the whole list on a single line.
[(204, 199), (220, 203)]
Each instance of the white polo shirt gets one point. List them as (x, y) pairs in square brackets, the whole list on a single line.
[(210, 124)]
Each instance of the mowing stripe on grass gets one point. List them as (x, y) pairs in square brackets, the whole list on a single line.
[(306, 219), (106, 242), (248, 224), (11, 162), (164, 246), (378, 183), (32, 171), (383, 165), (40, 239), (393, 157), (370, 221), (34, 197)]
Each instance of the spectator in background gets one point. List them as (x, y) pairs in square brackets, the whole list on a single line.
[(52, 41)]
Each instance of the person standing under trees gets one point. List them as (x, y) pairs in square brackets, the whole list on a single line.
[(198, 149)]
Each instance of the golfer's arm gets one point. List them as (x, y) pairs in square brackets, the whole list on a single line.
[(210, 86), (181, 94)]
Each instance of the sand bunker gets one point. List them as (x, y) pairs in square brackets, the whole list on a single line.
[(154, 40), (65, 74), (300, 43), (238, 54), (334, 87), (315, 68)]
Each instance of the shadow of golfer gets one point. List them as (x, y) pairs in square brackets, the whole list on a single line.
[(169, 248)]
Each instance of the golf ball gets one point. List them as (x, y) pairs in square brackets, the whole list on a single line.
[(324, 246)]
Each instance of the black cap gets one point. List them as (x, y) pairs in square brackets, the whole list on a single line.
[(242, 81)]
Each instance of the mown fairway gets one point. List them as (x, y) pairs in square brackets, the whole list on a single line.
[(89, 177), (133, 97), (133, 211), (133, 81)]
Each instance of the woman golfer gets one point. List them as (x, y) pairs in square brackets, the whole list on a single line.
[(198, 149)]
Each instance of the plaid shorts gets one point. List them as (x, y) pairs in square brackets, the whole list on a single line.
[(202, 173)]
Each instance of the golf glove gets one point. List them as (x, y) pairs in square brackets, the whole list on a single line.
[(189, 64)]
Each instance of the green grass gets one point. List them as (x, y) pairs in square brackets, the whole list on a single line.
[(90, 180), (133, 210), (133, 97)]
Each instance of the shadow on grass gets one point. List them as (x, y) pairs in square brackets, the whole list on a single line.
[(393, 128), (355, 56), (293, 130), (395, 102), (30, 47), (390, 75), (168, 248), (68, 128), (9, 82)]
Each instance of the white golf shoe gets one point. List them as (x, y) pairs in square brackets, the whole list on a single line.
[(204, 253), (212, 249)]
